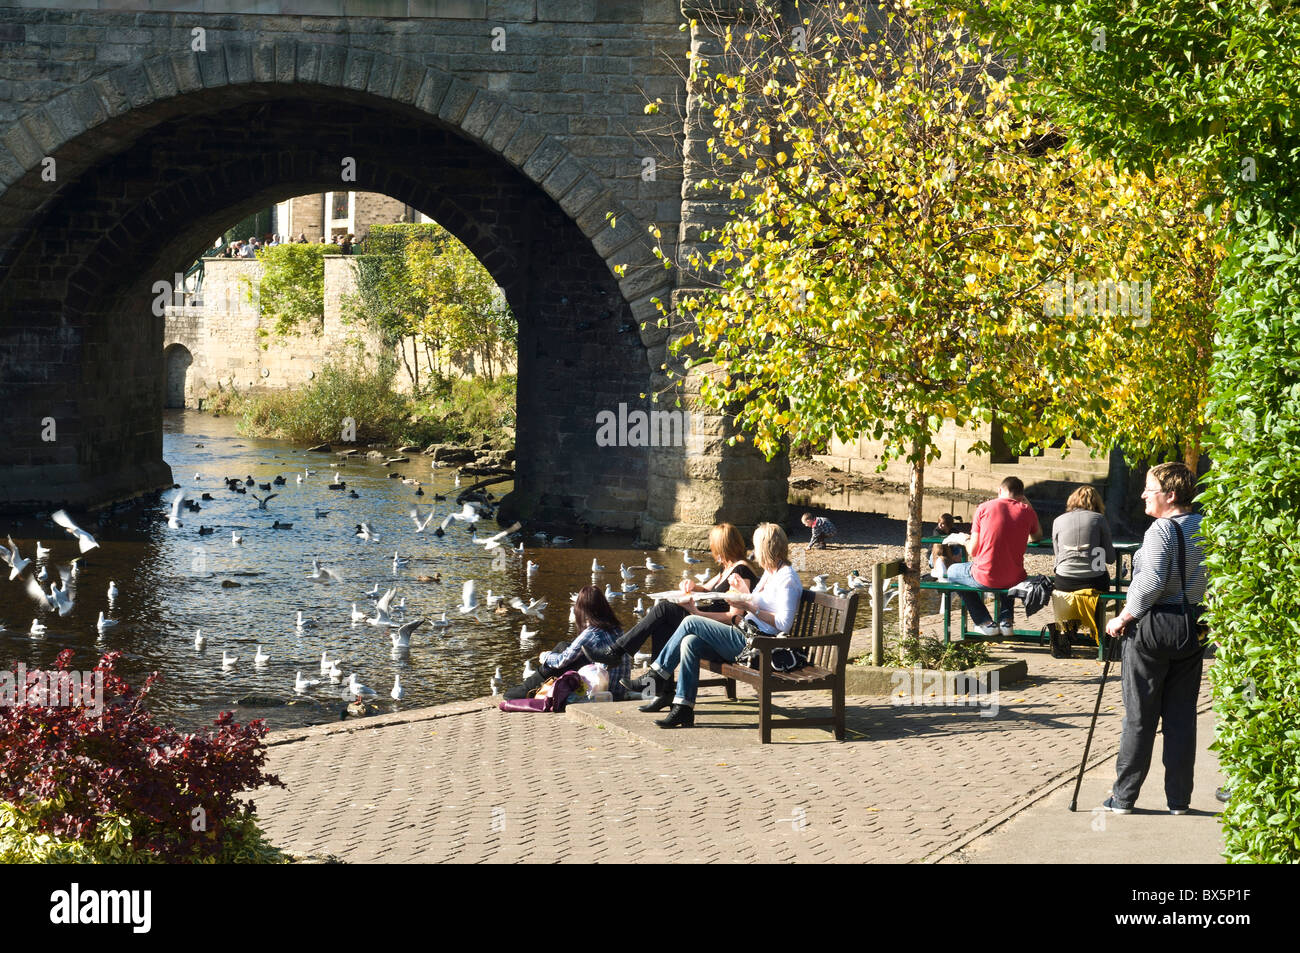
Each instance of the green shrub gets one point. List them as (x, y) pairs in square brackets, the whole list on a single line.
[(347, 386), (929, 652), (23, 842)]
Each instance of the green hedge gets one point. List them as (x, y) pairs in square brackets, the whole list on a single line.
[(1252, 530)]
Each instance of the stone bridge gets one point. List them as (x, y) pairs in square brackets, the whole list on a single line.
[(133, 131)]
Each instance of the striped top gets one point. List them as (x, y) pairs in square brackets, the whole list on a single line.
[(1155, 569)]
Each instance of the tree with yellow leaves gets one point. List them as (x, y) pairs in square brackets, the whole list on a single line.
[(899, 220)]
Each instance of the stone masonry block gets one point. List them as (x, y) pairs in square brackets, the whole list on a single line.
[(562, 177), (479, 115), (504, 125), (456, 102), (356, 69), (239, 62), (522, 144), (432, 91)]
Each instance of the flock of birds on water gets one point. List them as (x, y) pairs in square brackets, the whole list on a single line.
[(384, 612)]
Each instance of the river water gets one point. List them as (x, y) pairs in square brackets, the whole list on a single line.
[(170, 583)]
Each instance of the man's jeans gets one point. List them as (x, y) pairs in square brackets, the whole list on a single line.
[(959, 574), (695, 639)]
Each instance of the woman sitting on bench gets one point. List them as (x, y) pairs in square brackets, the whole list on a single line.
[(662, 619), (769, 610)]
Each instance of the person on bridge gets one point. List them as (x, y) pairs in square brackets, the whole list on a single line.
[(999, 533), (727, 547), (769, 610)]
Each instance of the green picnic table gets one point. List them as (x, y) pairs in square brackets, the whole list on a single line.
[(1117, 594)]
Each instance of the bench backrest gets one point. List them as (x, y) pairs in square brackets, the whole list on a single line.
[(822, 613)]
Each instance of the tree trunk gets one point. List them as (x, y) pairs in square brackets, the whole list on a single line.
[(911, 594), (1192, 451), (401, 347)]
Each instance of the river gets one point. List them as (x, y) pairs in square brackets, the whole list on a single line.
[(170, 584)]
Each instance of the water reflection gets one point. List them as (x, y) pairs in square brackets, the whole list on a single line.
[(171, 583)]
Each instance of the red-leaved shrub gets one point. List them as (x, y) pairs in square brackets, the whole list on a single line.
[(122, 763)]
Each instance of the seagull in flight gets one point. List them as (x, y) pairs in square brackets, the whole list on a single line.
[(415, 518), (382, 609), (174, 520), (324, 573), (15, 560), (469, 597), (468, 514), (402, 637), (365, 532), (494, 542), (84, 539), (534, 608), (261, 503)]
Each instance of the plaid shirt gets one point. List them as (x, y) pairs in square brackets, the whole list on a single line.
[(823, 527), (599, 642)]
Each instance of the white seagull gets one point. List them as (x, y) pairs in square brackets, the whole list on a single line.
[(357, 616), (300, 684), (358, 689), (103, 623), (84, 539), (324, 574), (37, 629), (469, 597), (596, 567), (236, 539), (199, 640), (227, 660), (174, 519), (625, 572), (398, 692), (260, 658), (402, 637), (526, 634), (112, 592), (335, 673), (651, 565), (16, 562), (498, 682), (688, 558)]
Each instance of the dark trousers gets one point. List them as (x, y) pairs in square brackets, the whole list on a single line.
[(658, 625), (1160, 681)]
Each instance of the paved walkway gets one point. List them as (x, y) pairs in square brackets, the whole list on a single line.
[(916, 781)]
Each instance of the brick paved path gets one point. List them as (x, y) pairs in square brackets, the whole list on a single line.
[(466, 782)]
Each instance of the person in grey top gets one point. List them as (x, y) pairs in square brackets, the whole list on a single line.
[(1082, 544), (1161, 673)]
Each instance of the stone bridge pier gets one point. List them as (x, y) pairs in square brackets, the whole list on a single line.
[(130, 136)]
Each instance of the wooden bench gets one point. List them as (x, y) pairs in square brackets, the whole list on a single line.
[(823, 625)]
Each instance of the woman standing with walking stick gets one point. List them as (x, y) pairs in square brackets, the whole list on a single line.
[(1162, 656)]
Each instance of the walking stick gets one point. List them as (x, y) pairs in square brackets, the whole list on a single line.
[(1105, 669)]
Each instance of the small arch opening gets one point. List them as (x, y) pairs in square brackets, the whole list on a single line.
[(177, 359)]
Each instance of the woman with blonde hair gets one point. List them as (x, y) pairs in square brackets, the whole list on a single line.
[(727, 547), (769, 609), (1083, 548)]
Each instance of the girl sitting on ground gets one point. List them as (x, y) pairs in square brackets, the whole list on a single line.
[(598, 633)]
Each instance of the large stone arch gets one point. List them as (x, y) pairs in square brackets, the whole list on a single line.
[(79, 258)]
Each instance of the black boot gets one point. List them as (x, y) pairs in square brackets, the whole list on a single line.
[(681, 716), (651, 679), (659, 702)]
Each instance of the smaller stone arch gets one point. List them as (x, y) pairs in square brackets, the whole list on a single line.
[(176, 362)]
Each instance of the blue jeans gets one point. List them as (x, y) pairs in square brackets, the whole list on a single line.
[(960, 575), (695, 639)]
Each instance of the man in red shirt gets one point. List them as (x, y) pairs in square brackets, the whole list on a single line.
[(999, 533)]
